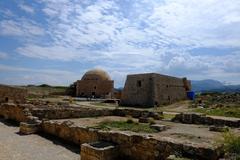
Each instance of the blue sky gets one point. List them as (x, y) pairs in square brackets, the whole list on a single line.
[(57, 41)]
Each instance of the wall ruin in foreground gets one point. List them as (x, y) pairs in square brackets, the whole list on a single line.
[(131, 145)]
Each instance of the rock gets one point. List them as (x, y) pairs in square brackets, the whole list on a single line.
[(26, 128), (68, 123), (196, 118), (159, 127), (218, 128), (143, 120), (155, 115)]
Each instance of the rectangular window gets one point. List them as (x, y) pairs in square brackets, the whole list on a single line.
[(139, 83)]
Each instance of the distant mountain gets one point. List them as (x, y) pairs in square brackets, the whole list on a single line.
[(207, 84), (213, 85)]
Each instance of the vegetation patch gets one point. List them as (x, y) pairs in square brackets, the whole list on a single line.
[(125, 126), (231, 144), (233, 111), (168, 116)]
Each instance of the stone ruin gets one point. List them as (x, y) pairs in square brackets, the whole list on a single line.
[(198, 118), (12, 94), (123, 145)]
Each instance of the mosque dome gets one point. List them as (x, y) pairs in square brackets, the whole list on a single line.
[(96, 74)]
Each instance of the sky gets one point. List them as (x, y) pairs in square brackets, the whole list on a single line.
[(57, 41)]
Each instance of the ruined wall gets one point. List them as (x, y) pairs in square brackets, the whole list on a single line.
[(68, 112), (153, 89), (19, 112), (73, 112), (9, 93), (131, 146), (14, 112), (100, 88), (194, 118)]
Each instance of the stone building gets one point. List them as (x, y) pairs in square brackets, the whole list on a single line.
[(95, 83), (12, 94), (152, 89)]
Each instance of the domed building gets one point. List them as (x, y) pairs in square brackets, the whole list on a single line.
[(95, 83)]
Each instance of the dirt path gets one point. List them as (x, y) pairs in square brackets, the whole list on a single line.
[(31, 147)]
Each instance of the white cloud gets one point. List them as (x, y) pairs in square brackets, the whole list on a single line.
[(3, 55), (136, 36), (52, 52), (26, 8), (22, 75), (21, 27), (6, 13), (204, 24)]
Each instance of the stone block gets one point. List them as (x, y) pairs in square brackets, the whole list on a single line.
[(218, 128), (143, 120), (28, 128), (159, 127), (99, 151)]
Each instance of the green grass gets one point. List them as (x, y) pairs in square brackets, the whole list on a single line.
[(231, 144), (35, 90), (125, 126), (232, 111), (168, 116)]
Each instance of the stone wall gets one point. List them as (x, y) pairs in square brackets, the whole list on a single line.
[(98, 88), (194, 118), (14, 94), (14, 112), (131, 146), (68, 112), (17, 112), (148, 90), (75, 112)]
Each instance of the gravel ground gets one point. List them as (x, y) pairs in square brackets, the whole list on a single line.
[(32, 147)]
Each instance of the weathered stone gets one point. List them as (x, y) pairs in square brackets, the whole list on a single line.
[(12, 94), (99, 151), (135, 147), (95, 83), (218, 128), (143, 120), (28, 128), (152, 89), (196, 118), (159, 127)]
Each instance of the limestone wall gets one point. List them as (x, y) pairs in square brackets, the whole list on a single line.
[(9, 93), (101, 88), (148, 90), (69, 112), (168, 89), (14, 112), (17, 112), (138, 91), (193, 118), (131, 146)]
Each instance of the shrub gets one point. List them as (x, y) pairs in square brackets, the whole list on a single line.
[(130, 120), (231, 145), (231, 142), (151, 121)]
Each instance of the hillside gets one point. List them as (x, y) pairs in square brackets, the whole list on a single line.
[(213, 86)]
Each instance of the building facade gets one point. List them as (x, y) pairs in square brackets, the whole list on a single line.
[(152, 89), (95, 84)]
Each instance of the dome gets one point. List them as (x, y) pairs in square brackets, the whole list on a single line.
[(96, 74)]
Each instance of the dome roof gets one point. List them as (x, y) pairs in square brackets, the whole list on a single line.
[(96, 74)]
